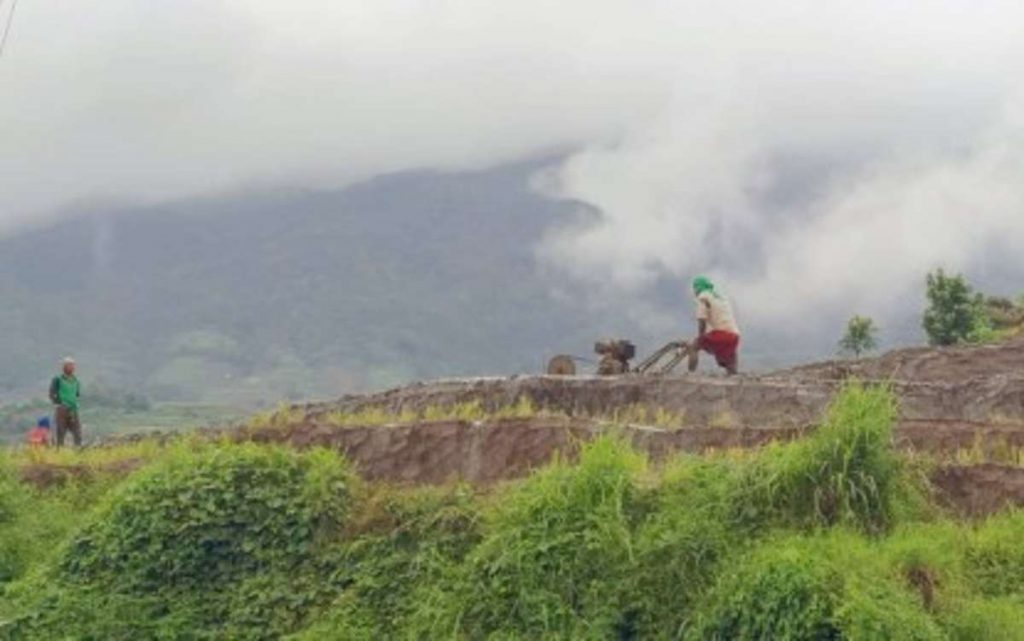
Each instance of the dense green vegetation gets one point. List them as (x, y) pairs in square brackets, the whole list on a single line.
[(831, 537), (956, 313)]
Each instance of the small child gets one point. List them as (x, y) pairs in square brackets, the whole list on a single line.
[(39, 436)]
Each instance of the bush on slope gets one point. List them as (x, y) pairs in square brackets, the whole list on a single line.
[(405, 541), (175, 542), (807, 588)]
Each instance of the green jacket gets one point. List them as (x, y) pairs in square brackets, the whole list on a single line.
[(65, 391)]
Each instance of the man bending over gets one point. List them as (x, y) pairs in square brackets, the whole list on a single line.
[(717, 331)]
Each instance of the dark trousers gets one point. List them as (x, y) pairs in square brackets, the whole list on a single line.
[(67, 421)]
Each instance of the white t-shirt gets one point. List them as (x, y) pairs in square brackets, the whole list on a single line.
[(717, 312)]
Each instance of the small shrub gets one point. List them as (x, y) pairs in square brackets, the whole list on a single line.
[(955, 313), (987, 620), (875, 607), (860, 337), (929, 559), (834, 586), (780, 593), (995, 556)]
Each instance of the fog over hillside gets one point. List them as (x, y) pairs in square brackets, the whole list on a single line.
[(344, 189), (269, 295), (294, 293)]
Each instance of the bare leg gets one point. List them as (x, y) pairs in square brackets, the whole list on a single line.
[(694, 356), (733, 368)]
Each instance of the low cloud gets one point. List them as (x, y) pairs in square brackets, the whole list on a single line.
[(813, 156)]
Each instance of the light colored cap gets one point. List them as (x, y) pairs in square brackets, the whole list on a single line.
[(68, 361)]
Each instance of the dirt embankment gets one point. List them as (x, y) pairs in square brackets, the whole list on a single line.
[(951, 401), (977, 490), (773, 401), (924, 365), (483, 453)]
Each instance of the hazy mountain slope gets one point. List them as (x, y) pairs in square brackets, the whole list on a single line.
[(272, 294), (411, 275)]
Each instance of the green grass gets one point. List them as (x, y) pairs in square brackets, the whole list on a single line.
[(182, 538), (555, 556), (829, 537), (103, 421), (161, 417), (825, 586), (33, 523), (471, 411), (845, 472)]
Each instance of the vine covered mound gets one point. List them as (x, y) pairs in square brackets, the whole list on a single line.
[(833, 536)]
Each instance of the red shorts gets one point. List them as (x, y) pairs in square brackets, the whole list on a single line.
[(39, 437), (722, 344)]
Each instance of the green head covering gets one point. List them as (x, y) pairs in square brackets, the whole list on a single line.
[(703, 284)]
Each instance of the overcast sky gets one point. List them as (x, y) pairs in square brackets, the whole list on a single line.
[(812, 155)]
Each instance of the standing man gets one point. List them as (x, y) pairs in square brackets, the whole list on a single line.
[(64, 394), (717, 331)]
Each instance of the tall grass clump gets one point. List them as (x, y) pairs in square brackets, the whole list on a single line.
[(830, 586), (680, 544), (929, 557), (180, 538), (846, 472), (995, 556), (403, 543), (556, 553)]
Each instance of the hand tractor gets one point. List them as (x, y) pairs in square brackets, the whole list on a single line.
[(615, 355)]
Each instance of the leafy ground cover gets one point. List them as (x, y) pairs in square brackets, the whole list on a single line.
[(830, 537)]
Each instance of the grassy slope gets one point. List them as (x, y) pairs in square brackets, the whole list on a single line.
[(827, 538), (101, 421)]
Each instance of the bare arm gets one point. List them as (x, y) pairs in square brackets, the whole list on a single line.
[(702, 324)]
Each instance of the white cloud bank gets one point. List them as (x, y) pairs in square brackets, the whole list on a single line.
[(834, 151)]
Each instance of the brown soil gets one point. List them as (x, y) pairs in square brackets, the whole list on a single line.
[(925, 364), (977, 490), (923, 580)]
